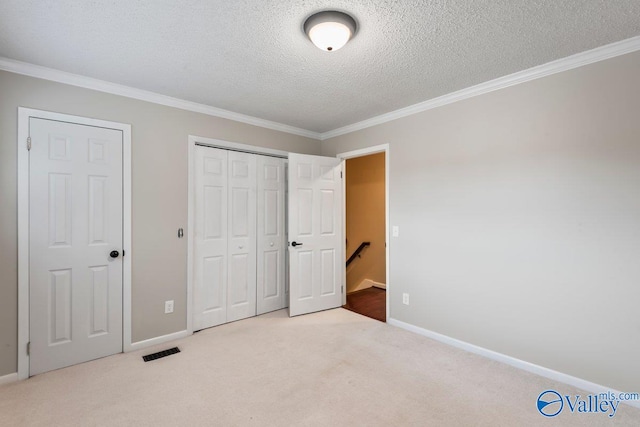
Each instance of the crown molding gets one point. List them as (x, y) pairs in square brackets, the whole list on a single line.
[(58, 76), (574, 61)]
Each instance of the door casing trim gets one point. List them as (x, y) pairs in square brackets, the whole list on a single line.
[(24, 114)]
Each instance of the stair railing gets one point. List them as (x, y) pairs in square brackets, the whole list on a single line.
[(356, 254)]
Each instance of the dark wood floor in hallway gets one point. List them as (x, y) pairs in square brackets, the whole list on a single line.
[(370, 302)]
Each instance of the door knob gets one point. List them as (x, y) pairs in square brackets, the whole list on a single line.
[(114, 254), (294, 244)]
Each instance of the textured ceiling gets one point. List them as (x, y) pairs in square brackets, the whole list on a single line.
[(252, 57)]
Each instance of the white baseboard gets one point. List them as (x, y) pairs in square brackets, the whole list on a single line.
[(10, 378), (157, 340), (512, 361), (378, 285), (368, 283)]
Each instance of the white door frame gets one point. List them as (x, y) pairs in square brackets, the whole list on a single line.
[(383, 148), (214, 143), (24, 114)]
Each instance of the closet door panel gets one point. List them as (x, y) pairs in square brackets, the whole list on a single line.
[(241, 283), (210, 237), (271, 242)]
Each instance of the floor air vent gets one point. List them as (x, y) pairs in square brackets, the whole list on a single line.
[(160, 354)]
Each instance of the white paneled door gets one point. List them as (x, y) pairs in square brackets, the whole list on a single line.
[(75, 240), (241, 285), (271, 234), (316, 254), (210, 237), (238, 237)]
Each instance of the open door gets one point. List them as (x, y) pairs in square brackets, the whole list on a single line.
[(316, 240)]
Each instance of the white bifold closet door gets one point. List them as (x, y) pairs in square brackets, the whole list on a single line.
[(241, 283), (272, 243), (239, 238), (210, 237)]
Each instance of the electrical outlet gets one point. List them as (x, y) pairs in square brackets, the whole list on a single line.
[(168, 307), (405, 299)]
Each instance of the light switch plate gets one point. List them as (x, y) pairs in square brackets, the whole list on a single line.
[(395, 231)]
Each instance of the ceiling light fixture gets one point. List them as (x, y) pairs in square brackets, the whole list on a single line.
[(330, 30)]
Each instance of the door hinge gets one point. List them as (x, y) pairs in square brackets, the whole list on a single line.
[(28, 143), (342, 289), (29, 348), (340, 174)]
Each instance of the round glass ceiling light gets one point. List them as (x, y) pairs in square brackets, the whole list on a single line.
[(330, 30)]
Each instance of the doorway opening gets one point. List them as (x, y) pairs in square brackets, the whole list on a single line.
[(365, 232)]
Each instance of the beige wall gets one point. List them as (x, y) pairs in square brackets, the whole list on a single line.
[(519, 216), (159, 163), (365, 218)]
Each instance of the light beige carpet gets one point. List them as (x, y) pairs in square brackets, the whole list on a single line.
[(334, 368)]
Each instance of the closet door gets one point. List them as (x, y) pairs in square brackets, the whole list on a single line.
[(271, 234), (241, 283), (210, 237)]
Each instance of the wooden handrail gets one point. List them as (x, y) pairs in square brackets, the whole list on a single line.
[(357, 252)]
